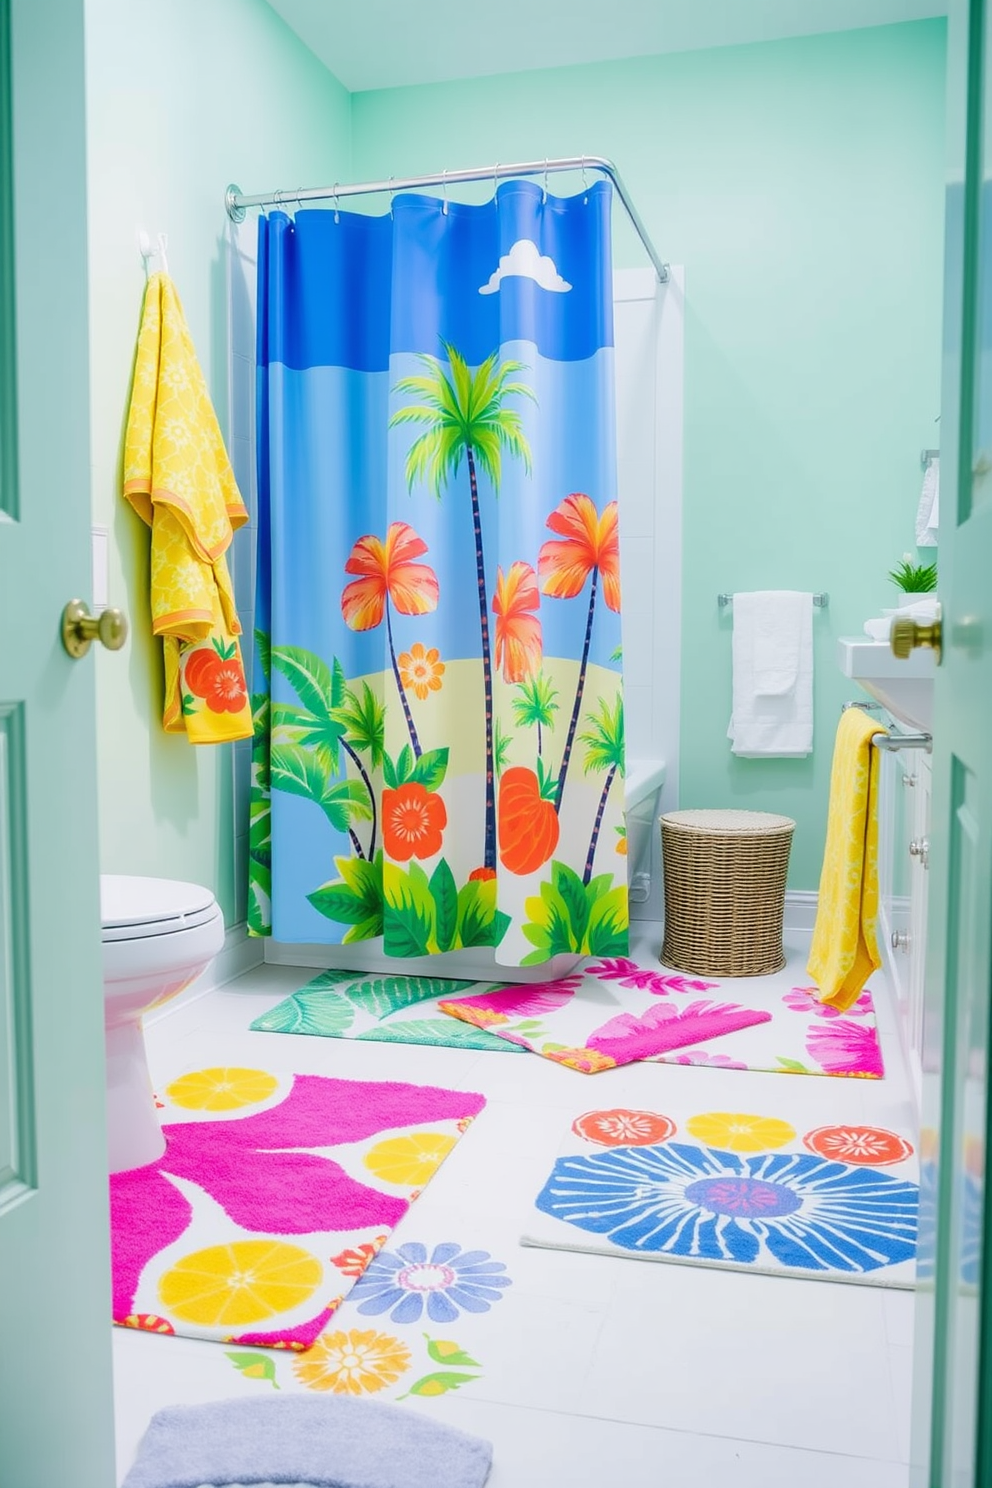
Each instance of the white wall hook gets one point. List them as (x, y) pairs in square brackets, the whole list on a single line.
[(153, 253)]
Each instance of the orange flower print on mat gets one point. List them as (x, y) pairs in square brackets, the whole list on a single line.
[(518, 630), (422, 670), (353, 1363), (738, 1132), (621, 1128), (354, 1262), (865, 1146), (215, 674), (387, 568), (413, 821), (589, 542)]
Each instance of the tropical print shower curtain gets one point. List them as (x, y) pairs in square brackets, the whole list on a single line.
[(439, 744)]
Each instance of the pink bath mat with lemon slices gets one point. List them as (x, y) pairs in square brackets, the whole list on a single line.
[(273, 1195)]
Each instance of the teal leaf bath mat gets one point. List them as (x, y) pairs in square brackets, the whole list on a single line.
[(341, 1004)]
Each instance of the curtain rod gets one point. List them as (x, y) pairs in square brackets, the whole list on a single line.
[(237, 203)]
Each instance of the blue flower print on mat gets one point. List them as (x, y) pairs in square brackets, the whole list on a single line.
[(408, 1279), (792, 1209)]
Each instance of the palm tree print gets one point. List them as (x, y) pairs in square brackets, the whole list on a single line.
[(388, 575), (589, 545), (536, 706), (604, 743), (464, 416)]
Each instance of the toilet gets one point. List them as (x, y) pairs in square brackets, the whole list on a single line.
[(158, 936)]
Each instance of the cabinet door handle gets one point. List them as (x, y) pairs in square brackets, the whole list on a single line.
[(920, 848), (901, 940)]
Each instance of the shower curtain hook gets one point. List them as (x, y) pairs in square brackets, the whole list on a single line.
[(544, 195), (585, 184), (444, 188), (334, 199), (391, 194), (299, 204), (495, 179)]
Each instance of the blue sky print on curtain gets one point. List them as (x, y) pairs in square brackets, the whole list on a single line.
[(439, 747)]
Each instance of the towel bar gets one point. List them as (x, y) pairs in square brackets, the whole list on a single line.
[(820, 600), (892, 742)]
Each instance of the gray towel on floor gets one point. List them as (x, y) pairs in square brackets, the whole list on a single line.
[(301, 1440)]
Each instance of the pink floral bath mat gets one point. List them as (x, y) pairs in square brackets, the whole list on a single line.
[(615, 1012), (273, 1195)]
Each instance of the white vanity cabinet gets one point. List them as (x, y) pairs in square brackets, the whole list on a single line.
[(904, 843)]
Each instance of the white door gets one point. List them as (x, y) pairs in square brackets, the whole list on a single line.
[(55, 1374)]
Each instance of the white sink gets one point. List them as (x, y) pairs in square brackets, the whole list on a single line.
[(905, 688)]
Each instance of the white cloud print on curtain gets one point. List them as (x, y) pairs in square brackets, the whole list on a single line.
[(439, 743)]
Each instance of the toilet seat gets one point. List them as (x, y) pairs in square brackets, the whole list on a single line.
[(139, 908)]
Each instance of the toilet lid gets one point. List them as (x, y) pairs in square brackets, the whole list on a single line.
[(133, 907)]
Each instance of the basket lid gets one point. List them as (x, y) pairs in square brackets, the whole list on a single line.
[(736, 823)]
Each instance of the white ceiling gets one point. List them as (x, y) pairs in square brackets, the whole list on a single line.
[(392, 43)]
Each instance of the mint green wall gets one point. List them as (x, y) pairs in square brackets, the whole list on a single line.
[(801, 185), (183, 97)]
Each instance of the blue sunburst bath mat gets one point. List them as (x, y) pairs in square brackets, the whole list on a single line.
[(735, 1190)]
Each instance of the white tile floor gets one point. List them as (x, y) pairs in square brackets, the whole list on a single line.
[(594, 1370)]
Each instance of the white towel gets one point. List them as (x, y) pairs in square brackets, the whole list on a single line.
[(928, 511), (773, 674), (923, 609)]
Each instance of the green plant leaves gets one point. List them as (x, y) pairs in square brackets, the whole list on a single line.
[(380, 996), (255, 1366), (440, 1033), (409, 925), (438, 1384), (429, 770), (444, 892), (443, 1351), (318, 686), (567, 915), (480, 923), (354, 899), (313, 1010)]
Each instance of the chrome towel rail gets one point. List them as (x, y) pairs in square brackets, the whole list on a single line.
[(891, 742), (820, 600)]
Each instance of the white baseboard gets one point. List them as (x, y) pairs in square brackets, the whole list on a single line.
[(800, 909), (240, 953)]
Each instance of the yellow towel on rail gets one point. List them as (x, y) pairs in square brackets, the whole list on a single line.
[(179, 480), (844, 952)]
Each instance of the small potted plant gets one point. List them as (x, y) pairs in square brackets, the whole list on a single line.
[(914, 578)]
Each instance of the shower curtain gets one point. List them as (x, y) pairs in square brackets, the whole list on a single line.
[(439, 735)]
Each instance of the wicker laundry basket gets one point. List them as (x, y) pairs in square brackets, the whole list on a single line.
[(725, 891)]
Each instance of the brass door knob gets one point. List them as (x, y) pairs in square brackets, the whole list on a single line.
[(907, 634), (80, 629)]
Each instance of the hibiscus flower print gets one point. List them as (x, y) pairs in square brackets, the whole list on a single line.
[(352, 1363), (840, 1047), (409, 1281), (807, 1000), (413, 822)]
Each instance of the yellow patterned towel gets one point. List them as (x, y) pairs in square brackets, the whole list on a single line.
[(179, 480), (844, 952)]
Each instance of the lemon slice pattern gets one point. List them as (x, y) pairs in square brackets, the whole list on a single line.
[(240, 1283), (221, 1089), (412, 1159)]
